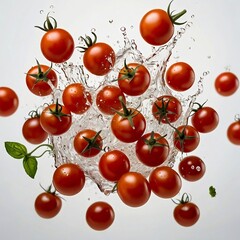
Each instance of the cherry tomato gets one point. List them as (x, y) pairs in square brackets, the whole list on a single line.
[(100, 215), (33, 132), (233, 132), (57, 45), (226, 83), (134, 79), (186, 213), (180, 76), (152, 149), (157, 25), (107, 99), (41, 80), (56, 119), (191, 168), (128, 125), (47, 205), (186, 138), (88, 143), (8, 101), (165, 182), (68, 179), (133, 189), (167, 109), (98, 58), (76, 99), (205, 119), (113, 164)]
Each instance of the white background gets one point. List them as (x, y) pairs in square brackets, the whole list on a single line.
[(211, 44)]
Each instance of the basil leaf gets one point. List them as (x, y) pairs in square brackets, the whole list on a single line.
[(30, 165), (15, 149)]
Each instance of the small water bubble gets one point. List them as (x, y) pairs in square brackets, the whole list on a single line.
[(206, 73), (209, 57), (110, 21), (237, 117), (192, 167), (131, 26), (198, 168), (51, 6), (193, 16), (41, 11)]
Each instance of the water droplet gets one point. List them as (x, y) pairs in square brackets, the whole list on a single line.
[(52, 6), (111, 21), (192, 167), (41, 11), (198, 168)]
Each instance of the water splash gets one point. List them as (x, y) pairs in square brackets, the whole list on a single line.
[(156, 63)]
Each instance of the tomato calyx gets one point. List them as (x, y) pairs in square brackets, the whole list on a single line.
[(199, 106), (127, 113), (163, 110), (57, 112), (92, 142), (212, 191), (47, 25), (88, 42), (153, 142), (128, 72), (184, 199), (175, 17), (41, 76)]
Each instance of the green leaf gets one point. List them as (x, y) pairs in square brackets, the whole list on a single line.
[(30, 165), (15, 149)]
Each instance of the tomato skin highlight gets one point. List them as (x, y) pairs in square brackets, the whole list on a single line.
[(123, 130), (205, 119), (47, 205), (152, 156), (167, 109), (186, 138), (99, 59), (113, 164), (191, 168), (57, 45), (41, 87), (76, 99), (68, 179), (80, 144), (180, 76), (33, 132), (107, 99), (133, 189), (8, 101), (186, 214), (226, 84), (54, 125), (233, 132), (165, 182), (136, 85), (100, 216), (156, 27)]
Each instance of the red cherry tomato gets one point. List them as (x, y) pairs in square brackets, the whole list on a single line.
[(33, 132), (134, 79), (100, 215), (56, 119), (41, 80), (180, 76), (167, 109), (47, 205), (191, 168), (68, 179), (226, 84), (157, 25), (8, 101), (129, 125), (205, 119), (186, 138), (88, 143), (233, 132), (133, 189), (76, 99), (107, 99), (186, 213), (165, 182), (113, 164), (152, 149)]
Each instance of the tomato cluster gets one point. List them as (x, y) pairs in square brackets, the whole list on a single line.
[(127, 125)]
